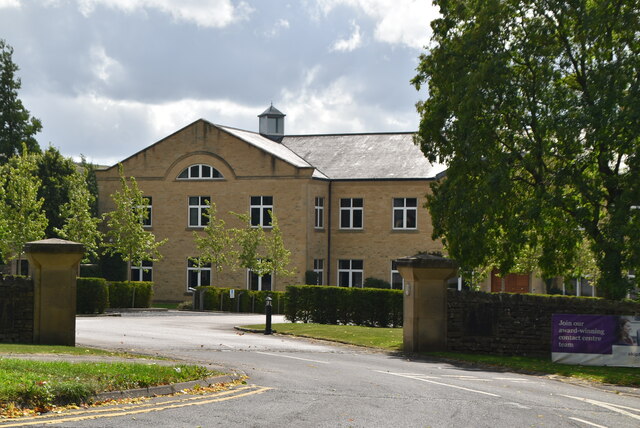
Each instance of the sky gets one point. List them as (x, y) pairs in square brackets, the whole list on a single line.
[(108, 78)]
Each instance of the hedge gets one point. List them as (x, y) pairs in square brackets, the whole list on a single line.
[(341, 305), (217, 299), (130, 294), (92, 295)]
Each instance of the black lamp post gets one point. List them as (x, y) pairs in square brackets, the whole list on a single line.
[(267, 311)]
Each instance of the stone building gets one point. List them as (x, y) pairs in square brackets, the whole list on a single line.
[(347, 204)]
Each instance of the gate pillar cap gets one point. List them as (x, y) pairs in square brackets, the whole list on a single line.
[(427, 260), (53, 246)]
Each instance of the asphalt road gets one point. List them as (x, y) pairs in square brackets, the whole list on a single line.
[(304, 383)]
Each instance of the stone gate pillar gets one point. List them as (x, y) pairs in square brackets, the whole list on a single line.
[(425, 301), (54, 268)]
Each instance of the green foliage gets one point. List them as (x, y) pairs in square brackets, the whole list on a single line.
[(340, 305), (130, 294), (79, 224), (376, 283), (534, 108), (56, 175), (21, 216), (92, 295), (112, 268), (311, 278), (214, 241), (262, 252), (126, 235), (252, 301), (17, 127)]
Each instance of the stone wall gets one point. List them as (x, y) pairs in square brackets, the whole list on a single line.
[(16, 310), (515, 324)]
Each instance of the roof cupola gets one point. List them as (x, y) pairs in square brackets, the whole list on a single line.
[(272, 123)]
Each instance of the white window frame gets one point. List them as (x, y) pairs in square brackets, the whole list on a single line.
[(139, 271), (404, 210), (203, 204), (148, 222), (260, 281), (351, 271), (351, 209), (262, 207), (318, 268), (193, 265), (394, 271), (319, 212), (195, 172)]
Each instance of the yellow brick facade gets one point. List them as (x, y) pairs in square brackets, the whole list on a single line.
[(249, 171)]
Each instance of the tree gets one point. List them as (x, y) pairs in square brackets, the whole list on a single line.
[(21, 212), (57, 177), (534, 106), (79, 223), (16, 124), (258, 251), (214, 242), (126, 235)]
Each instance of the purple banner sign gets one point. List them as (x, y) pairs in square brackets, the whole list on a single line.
[(583, 334)]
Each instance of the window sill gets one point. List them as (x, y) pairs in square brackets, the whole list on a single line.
[(405, 230), (351, 230)]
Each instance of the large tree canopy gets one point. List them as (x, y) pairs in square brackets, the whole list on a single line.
[(16, 124), (535, 107)]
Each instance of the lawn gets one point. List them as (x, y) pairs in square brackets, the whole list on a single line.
[(372, 337), (41, 385), (391, 339)]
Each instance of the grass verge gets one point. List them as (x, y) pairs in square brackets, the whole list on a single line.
[(41, 385), (391, 339), (622, 376), (372, 337), (16, 348)]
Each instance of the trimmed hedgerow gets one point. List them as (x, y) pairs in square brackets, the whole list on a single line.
[(92, 295), (130, 294), (217, 299), (340, 305)]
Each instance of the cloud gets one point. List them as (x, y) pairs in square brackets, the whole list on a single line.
[(103, 66), (282, 24), (111, 130), (204, 13), (396, 21), (350, 44), (7, 4)]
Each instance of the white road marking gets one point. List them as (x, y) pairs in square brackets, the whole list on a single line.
[(610, 406), (293, 358), (438, 383), (519, 406), (588, 423), (459, 376)]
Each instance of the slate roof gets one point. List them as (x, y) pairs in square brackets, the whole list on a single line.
[(268, 145), (364, 156), (382, 156), (272, 111)]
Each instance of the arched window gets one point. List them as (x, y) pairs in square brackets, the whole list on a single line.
[(199, 172)]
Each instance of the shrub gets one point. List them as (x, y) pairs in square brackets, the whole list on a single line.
[(92, 295), (376, 283), (90, 271), (341, 305), (252, 301), (311, 277), (130, 294)]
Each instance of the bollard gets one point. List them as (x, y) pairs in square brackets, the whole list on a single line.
[(267, 311)]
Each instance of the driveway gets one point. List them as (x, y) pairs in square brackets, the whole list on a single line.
[(304, 383)]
